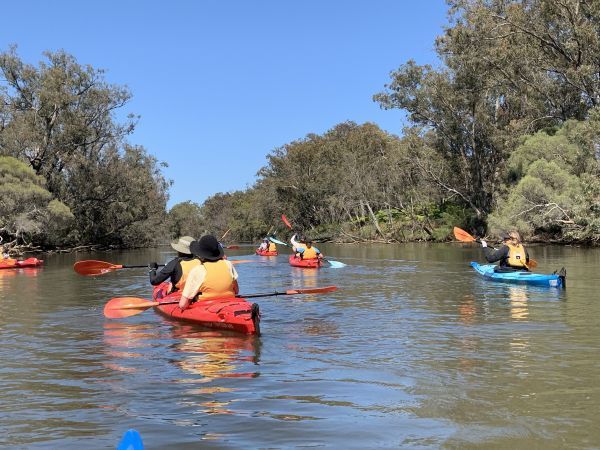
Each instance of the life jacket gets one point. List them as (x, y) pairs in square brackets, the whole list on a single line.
[(516, 255), (272, 247), (186, 267), (218, 281), (309, 253)]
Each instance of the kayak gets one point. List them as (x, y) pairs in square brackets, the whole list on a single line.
[(14, 264), (131, 441), (235, 314), (266, 253), (520, 277), (307, 263)]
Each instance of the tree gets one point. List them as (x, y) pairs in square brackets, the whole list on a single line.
[(27, 210)]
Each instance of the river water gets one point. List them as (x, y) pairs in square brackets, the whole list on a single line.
[(414, 350)]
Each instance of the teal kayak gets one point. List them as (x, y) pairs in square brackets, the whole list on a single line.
[(131, 441), (521, 277)]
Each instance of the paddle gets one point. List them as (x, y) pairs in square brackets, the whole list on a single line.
[(334, 264), (120, 307), (463, 236), (92, 267)]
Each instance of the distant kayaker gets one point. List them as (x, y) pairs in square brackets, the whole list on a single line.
[(512, 254), (214, 277), (264, 246), (177, 269), (3, 253)]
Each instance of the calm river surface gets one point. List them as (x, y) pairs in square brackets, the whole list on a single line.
[(414, 350)]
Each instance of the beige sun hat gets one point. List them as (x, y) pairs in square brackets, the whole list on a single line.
[(182, 245)]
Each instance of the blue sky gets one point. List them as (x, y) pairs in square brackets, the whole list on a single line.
[(220, 84)]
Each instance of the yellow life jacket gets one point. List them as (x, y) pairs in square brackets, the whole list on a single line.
[(218, 282), (272, 247), (309, 253), (516, 255), (186, 267)]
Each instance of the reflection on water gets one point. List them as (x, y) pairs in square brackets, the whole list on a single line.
[(518, 303)]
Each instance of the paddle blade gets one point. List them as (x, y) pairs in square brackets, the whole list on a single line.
[(532, 264), (277, 241), (240, 261), (287, 222), (462, 235), (232, 247), (91, 267), (319, 290), (120, 307), (335, 264)]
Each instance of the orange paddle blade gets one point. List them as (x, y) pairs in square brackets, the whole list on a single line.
[(319, 290), (232, 247), (289, 225), (120, 307), (240, 261), (462, 235), (532, 264), (91, 267)]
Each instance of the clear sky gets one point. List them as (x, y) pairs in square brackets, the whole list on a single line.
[(221, 83)]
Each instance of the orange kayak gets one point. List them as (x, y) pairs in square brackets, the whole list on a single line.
[(15, 264), (266, 253)]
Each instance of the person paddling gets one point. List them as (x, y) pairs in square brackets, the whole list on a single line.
[(310, 252), (264, 246), (178, 269), (214, 277), (511, 256), (298, 244)]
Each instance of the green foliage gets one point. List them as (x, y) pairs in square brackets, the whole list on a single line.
[(27, 210), (185, 219), (59, 117)]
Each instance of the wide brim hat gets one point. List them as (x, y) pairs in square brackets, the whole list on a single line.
[(207, 248), (182, 245)]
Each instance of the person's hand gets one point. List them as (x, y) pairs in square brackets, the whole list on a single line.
[(183, 304), (483, 243), (153, 266)]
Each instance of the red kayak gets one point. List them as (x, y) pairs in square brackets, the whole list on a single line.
[(266, 253), (14, 264), (307, 263), (235, 314)]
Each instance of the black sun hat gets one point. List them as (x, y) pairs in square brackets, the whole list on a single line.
[(207, 248)]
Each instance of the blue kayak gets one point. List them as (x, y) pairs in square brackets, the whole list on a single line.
[(520, 276), (131, 441)]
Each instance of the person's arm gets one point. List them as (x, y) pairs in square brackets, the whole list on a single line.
[(492, 255), (234, 275), (165, 273), (192, 286)]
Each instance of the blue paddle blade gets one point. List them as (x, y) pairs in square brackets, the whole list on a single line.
[(131, 441), (276, 241), (335, 264)]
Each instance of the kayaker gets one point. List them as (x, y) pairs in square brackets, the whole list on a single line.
[(177, 269), (264, 246), (214, 277), (3, 253), (298, 244), (511, 256), (310, 252)]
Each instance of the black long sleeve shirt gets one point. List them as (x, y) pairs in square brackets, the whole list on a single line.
[(501, 255), (172, 270)]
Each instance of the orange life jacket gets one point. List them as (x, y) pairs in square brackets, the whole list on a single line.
[(516, 255), (218, 282), (272, 247), (309, 253), (186, 267)]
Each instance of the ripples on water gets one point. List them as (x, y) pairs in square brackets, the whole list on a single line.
[(414, 350)]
